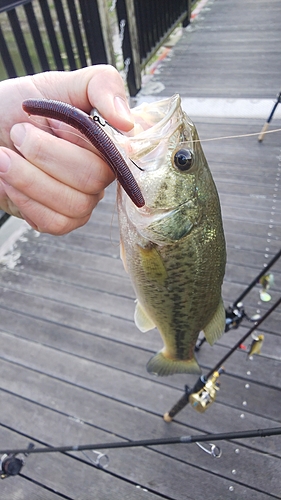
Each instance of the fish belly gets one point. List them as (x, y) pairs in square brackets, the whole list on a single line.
[(178, 289)]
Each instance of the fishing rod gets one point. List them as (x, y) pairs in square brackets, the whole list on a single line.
[(265, 127), (235, 313), (11, 465), (202, 394), (204, 391), (200, 397)]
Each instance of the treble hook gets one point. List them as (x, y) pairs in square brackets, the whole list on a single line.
[(214, 450)]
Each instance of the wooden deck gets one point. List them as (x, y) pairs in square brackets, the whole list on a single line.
[(72, 361)]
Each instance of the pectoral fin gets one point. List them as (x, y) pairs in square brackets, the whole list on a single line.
[(143, 322), (152, 264), (215, 328)]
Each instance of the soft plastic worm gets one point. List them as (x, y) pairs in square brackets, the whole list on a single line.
[(95, 134)]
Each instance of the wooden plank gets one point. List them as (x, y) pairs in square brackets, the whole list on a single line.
[(178, 457), (97, 378), (17, 280), (69, 252), (41, 270), (68, 477), (38, 274), (75, 295), (85, 340), (110, 354), (67, 311), (221, 31), (44, 262), (215, 72), (20, 487), (103, 255), (78, 301), (112, 269)]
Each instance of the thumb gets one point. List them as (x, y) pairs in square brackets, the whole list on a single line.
[(99, 86)]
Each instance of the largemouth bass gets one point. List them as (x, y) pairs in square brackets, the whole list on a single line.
[(173, 248)]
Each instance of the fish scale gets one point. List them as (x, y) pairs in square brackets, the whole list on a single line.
[(174, 247)]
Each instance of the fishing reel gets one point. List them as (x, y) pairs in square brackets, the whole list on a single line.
[(234, 316), (235, 313), (204, 392), (11, 465)]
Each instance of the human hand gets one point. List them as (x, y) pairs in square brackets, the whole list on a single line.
[(54, 177)]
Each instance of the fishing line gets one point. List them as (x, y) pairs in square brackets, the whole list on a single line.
[(70, 131), (237, 136)]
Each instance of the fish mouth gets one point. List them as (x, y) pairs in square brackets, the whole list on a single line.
[(154, 122), (159, 128), (161, 213)]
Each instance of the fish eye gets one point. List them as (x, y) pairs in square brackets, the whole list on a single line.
[(183, 159)]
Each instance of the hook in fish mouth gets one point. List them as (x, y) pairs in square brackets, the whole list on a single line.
[(92, 130), (98, 118), (142, 169)]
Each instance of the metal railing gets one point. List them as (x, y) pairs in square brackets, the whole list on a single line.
[(40, 35), (146, 24)]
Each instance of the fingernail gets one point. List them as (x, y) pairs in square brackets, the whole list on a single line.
[(17, 134), (5, 162), (122, 108)]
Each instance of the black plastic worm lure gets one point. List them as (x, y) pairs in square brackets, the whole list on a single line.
[(95, 134)]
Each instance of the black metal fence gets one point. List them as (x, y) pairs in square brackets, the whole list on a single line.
[(154, 22), (41, 35), (50, 34)]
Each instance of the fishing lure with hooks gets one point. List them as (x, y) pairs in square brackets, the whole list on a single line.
[(91, 129)]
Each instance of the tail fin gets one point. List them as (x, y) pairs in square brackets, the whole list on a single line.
[(162, 366)]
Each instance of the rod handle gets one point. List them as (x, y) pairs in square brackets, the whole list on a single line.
[(264, 129)]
